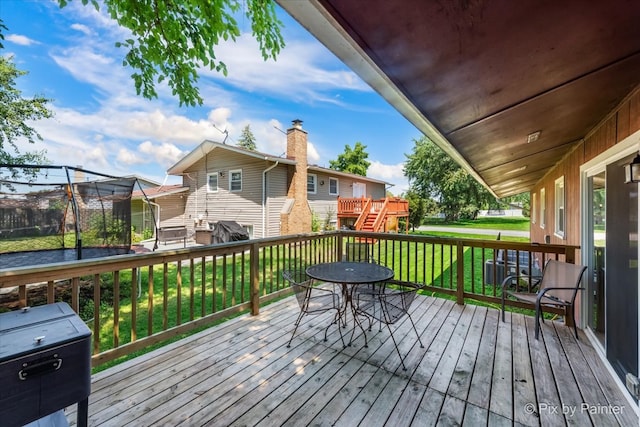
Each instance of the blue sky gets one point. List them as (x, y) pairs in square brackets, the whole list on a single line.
[(101, 124)]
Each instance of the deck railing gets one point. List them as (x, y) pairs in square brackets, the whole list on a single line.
[(135, 301)]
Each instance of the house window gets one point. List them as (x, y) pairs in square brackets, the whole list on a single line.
[(333, 186), (543, 207), (235, 180), (212, 182), (534, 208), (559, 207), (312, 182)]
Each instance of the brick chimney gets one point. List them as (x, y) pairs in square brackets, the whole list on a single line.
[(298, 217)]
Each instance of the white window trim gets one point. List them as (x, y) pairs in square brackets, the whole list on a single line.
[(534, 208), (543, 207), (231, 172), (559, 184), (337, 187), (209, 190), (315, 183)]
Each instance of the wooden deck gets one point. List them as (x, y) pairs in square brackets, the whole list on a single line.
[(474, 370)]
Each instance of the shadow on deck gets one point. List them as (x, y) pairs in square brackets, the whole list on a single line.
[(474, 370)]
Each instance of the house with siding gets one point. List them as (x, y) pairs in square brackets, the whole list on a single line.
[(268, 195), (160, 205)]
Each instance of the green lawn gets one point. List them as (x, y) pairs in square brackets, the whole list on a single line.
[(493, 223), (470, 236)]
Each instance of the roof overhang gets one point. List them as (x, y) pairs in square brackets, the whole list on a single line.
[(479, 77), (207, 147), (158, 192), (354, 177)]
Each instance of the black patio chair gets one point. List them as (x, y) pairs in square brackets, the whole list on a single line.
[(312, 300), (390, 303), (557, 287)]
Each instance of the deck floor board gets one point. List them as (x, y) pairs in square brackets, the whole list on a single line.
[(474, 369)]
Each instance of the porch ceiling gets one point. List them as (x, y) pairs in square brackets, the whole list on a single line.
[(478, 77)]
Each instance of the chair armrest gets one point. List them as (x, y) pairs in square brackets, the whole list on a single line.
[(509, 281), (558, 288)]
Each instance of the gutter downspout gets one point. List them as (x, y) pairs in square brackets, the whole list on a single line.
[(264, 197), (157, 220)]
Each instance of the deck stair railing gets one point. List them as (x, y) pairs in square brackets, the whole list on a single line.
[(366, 210), (381, 216)]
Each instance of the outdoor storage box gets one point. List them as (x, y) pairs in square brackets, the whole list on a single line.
[(45, 363)]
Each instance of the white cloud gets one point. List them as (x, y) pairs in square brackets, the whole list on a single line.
[(20, 39), (128, 157), (312, 154), (82, 28), (98, 156), (382, 171), (88, 66), (165, 154), (298, 71), (392, 174)]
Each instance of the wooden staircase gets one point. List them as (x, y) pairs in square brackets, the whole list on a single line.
[(370, 215), (369, 223)]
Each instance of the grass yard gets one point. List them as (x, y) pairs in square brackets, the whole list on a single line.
[(492, 223)]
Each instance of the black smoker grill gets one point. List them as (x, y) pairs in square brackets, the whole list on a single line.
[(45, 364)]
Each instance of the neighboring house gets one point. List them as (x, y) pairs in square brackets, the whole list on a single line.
[(158, 206), (268, 195)]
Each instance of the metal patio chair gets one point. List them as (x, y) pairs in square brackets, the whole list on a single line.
[(557, 287), (389, 304), (313, 300)]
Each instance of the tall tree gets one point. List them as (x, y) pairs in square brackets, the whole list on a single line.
[(247, 140), (15, 114), (171, 40), (433, 174), (352, 160), (417, 209)]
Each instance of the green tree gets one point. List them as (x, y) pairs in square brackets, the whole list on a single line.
[(417, 208), (519, 200), (16, 113), (433, 174), (352, 160), (247, 140), (170, 39)]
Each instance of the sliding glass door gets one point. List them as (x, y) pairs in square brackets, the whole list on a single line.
[(610, 250), (597, 222)]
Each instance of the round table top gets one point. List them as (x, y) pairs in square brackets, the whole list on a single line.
[(350, 272)]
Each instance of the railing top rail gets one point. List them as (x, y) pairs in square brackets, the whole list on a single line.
[(42, 273)]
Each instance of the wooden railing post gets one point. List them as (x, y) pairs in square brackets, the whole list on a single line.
[(339, 247), (460, 273), (254, 278)]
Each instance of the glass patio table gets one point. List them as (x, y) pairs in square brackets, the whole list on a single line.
[(346, 274)]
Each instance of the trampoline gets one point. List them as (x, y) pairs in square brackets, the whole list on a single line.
[(51, 214)]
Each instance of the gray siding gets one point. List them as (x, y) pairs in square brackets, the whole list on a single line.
[(277, 194), (244, 207), (345, 187), (172, 210), (323, 209), (324, 204)]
